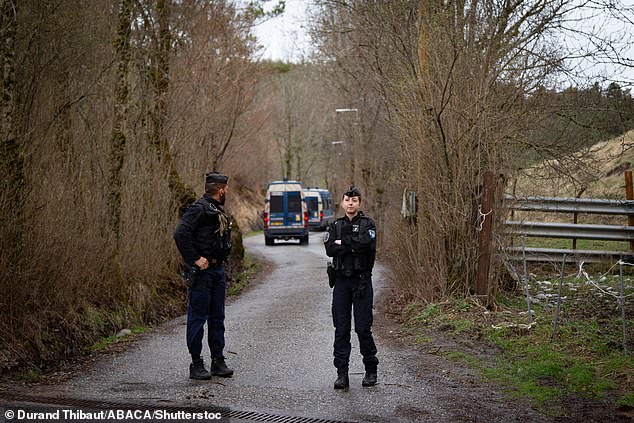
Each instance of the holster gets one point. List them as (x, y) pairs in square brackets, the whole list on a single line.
[(190, 274), (330, 269)]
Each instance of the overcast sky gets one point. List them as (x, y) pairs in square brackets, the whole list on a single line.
[(286, 37)]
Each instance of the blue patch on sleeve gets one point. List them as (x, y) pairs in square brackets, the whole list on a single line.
[(372, 233)]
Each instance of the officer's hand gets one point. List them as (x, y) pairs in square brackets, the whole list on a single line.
[(338, 242), (202, 263)]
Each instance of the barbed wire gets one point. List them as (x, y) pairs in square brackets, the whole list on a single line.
[(578, 275), (593, 283)]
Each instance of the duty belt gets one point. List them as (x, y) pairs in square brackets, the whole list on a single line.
[(349, 273)]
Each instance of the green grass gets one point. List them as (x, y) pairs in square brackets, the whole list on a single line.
[(626, 401), (420, 339), (582, 244), (30, 375), (462, 325), (545, 372), (418, 313), (574, 362), (104, 343), (242, 280), (463, 358), (584, 359)]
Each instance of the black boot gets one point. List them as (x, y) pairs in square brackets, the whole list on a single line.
[(219, 368), (369, 379), (197, 370), (342, 381)]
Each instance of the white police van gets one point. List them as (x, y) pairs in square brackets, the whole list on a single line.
[(320, 208), (285, 214)]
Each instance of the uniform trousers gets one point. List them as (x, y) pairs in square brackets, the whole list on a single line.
[(206, 304), (353, 294)]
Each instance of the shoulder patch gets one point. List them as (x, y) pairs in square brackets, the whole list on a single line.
[(327, 237), (372, 233)]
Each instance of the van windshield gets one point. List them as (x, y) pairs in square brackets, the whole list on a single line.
[(294, 202), (312, 203)]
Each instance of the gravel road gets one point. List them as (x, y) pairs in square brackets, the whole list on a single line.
[(279, 341)]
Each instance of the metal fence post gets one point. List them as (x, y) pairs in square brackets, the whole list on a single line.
[(485, 237), (629, 192), (622, 304), (561, 282), (527, 294)]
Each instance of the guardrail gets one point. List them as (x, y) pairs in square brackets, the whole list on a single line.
[(572, 205), (569, 230), (551, 230)]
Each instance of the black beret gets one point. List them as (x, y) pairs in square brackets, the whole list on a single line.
[(216, 178), (352, 192)]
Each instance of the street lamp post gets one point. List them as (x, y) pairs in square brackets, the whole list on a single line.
[(337, 154), (354, 157)]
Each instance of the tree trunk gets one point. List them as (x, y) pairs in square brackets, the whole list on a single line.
[(12, 176), (11, 152), (118, 137), (181, 193)]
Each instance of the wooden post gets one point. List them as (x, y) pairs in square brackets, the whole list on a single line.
[(484, 241), (629, 192), (576, 216)]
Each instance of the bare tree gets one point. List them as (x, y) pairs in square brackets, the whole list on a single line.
[(160, 78), (12, 179), (88, 167), (117, 149), (304, 111), (458, 81), (11, 151), (213, 72)]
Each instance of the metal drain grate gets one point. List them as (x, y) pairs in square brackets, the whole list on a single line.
[(104, 405)]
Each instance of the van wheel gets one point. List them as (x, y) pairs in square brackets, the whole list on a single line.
[(268, 240), (303, 240)]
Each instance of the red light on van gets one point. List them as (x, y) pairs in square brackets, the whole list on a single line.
[(305, 218), (321, 215), (265, 217)]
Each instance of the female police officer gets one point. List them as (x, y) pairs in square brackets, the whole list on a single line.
[(351, 241)]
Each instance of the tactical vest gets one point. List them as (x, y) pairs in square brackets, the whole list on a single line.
[(212, 239), (354, 262)]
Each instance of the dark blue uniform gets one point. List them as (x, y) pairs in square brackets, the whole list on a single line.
[(204, 231), (353, 261)]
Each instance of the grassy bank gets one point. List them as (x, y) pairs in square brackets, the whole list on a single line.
[(582, 363), (250, 267)]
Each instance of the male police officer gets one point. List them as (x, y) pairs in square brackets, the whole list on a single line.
[(203, 237), (351, 241)]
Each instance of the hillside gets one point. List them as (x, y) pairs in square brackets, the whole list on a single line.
[(595, 172), (245, 205)]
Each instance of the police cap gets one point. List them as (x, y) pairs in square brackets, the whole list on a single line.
[(216, 178), (352, 192)]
